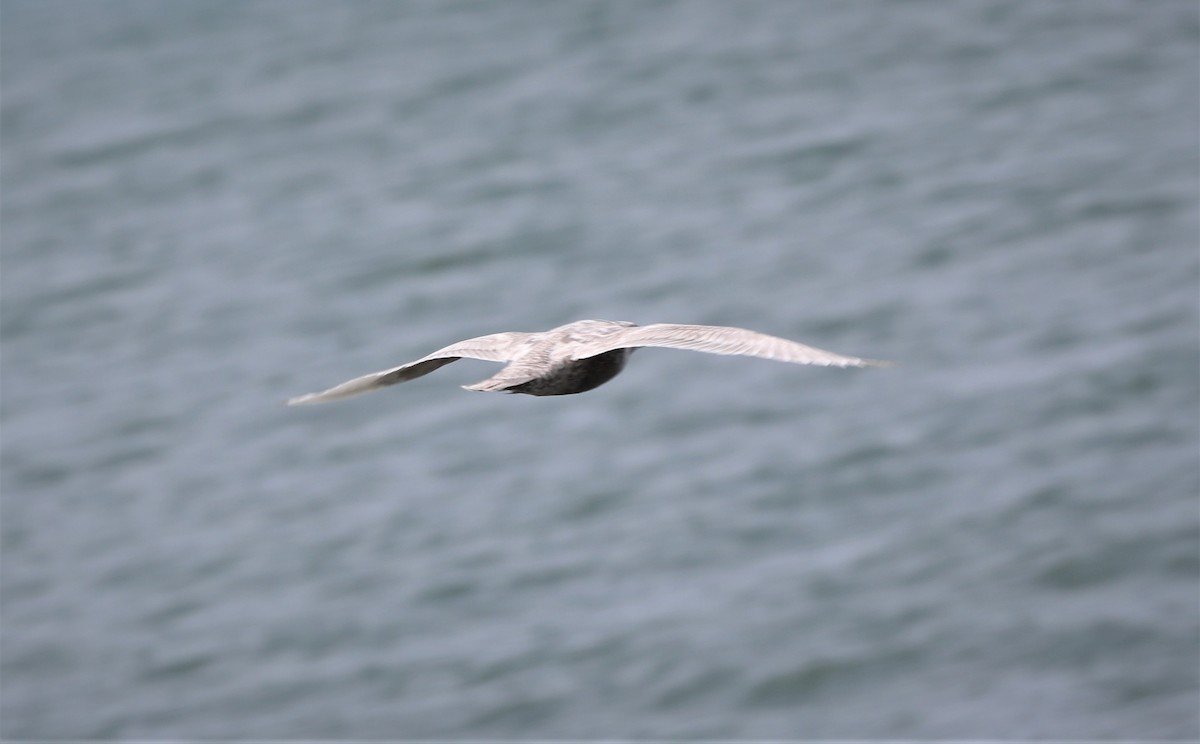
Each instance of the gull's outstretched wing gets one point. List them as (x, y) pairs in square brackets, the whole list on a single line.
[(722, 340), (497, 347)]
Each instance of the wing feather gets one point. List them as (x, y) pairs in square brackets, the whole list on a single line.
[(496, 347), (724, 340)]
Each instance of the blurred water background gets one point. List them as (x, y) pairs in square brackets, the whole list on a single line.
[(211, 206)]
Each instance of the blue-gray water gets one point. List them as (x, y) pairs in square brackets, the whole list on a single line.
[(209, 207)]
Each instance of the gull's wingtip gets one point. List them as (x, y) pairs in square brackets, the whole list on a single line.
[(300, 400), (845, 362), (855, 362)]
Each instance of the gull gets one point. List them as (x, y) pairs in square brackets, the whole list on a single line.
[(583, 355)]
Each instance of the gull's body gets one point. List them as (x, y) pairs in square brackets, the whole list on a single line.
[(583, 355)]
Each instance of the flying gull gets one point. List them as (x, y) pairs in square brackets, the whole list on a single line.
[(584, 355)]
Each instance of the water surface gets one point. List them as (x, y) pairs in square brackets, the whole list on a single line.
[(209, 207)]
